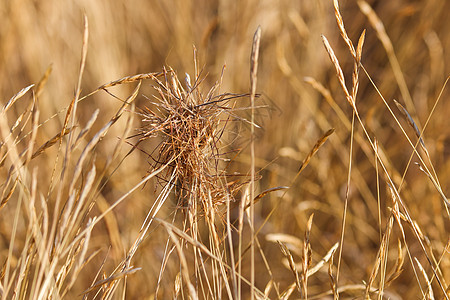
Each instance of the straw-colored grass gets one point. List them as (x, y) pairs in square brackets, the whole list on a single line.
[(236, 150)]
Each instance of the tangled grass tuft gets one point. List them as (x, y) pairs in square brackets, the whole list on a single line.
[(192, 126)]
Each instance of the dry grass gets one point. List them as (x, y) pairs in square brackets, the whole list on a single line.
[(130, 168)]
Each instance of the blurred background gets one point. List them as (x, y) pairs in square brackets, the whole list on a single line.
[(128, 37)]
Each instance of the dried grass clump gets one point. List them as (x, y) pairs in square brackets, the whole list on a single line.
[(191, 126)]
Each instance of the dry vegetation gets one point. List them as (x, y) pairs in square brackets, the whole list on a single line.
[(308, 160)]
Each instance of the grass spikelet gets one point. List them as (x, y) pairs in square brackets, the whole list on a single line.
[(360, 46), (398, 268), (107, 283), (323, 261), (51, 142), (338, 68), (264, 193), (314, 149), (288, 292), (301, 278), (5, 198), (411, 123), (16, 97), (43, 81), (342, 30), (429, 295), (380, 262), (306, 257), (184, 265), (357, 65), (129, 79), (292, 266), (333, 283)]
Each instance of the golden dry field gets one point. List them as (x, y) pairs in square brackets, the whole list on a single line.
[(224, 149)]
